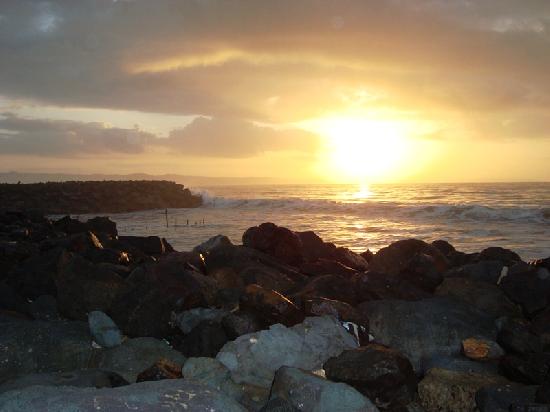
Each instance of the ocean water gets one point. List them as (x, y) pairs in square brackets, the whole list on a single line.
[(470, 216)]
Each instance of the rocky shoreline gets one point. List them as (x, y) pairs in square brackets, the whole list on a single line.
[(93, 321), (109, 196)]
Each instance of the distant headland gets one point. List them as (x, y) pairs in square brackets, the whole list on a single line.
[(106, 196)]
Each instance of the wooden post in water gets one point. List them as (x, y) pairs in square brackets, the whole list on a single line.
[(166, 215)]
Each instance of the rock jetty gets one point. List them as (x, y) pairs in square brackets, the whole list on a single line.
[(91, 320), (56, 198)]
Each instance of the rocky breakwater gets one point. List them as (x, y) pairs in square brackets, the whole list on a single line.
[(285, 322), (96, 196)]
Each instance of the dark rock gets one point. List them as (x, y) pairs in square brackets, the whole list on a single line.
[(380, 286), (11, 300), (543, 393), (515, 336), (367, 255), (240, 323), (499, 398), (380, 373), (308, 392), (530, 289), (534, 407), (342, 311), (427, 328), (205, 340), (104, 331), (485, 271), (458, 363), (85, 378), (83, 286), (152, 292), (323, 267), (532, 368), (186, 321), (44, 308), (279, 405), (150, 245), (541, 323), (212, 243), (444, 247), (162, 369), (507, 257), (484, 296), (422, 272), (397, 257), (270, 306), (330, 287), (188, 260), (70, 226), (279, 242), (102, 224)]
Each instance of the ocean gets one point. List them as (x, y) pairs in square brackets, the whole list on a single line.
[(469, 216)]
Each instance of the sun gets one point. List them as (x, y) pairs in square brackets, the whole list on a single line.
[(363, 150)]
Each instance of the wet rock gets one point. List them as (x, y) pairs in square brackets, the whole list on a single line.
[(152, 292), (188, 320), (395, 258), (234, 267), (279, 242), (532, 368), (38, 346), (135, 355), (515, 336), (381, 374), (530, 289), (443, 390), (330, 287), (341, 311), (44, 308), (484, 296), (102, 224), (104, 331), (485, 271), (499, 398), (254, 358), (173, 394), (205, 340), (481, 349), (270, 306), (162, 369), (83, 286), (427, 328), (92, 378), (240, 323), (308, 392), (506, 256), (212, 243)]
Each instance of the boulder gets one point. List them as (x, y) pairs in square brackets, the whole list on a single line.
[(186, 321), (310, 393), (44, 308), (279, 242), (461, 364), (323, 267), (444, 390), (150, 245), (279, 405), (69, 225), (506, 256), (255, 357), (444, 247), (162, 369), (484, 296), (104, 331), (11, 300), (270, 306), (204, 340), (485, 271), (499, 398), (40, 346), (531, 368), (83, 287), (543, 393), (381, 374), (175, 395), (241, 323), (102, 224), (396, 257), (515, 336), (480, 349), (214, 242), (135, 355), (380, 286), (330, 287), (530, 289), (426, 328), (188, 260), (83, 378)]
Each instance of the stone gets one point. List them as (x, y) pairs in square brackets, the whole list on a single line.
[(83, 378), (102, 224), (69, 225), (254, 358), (481, 349), (485, 271), (422, 271), (381, 286), (499, 398), (83, 287), (205, 340), (11, 300), (162, 369), (323, 267), (506, 256), (44, 308), (543, 393), (515, 336), (104, 331), (330, 287), (427, 328), (150, 245), (279, 405), (531, 368), (38, 346), (279, 242), (460, 363), (396, 257), (533, 407), (444, 247), (212, 243), (175, 395), (270, 306), (310, 393), (341, 311), (484, 296), (381, 374), (530, 289), (188, 320), (240, 323), (135, 355), (443, 390)]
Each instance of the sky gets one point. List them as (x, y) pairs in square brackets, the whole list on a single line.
[(300, 91)]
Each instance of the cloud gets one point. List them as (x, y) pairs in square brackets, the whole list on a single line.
[(203, 137)]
